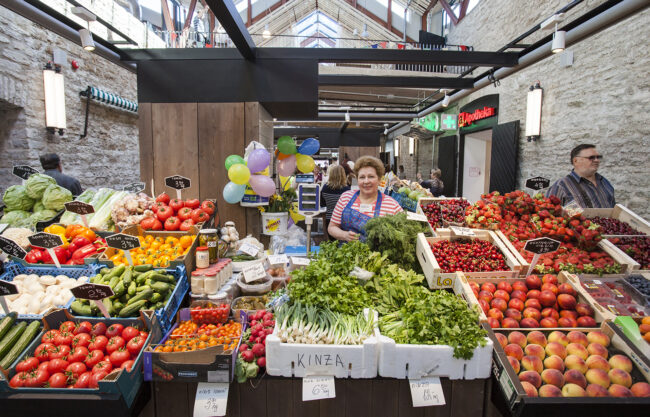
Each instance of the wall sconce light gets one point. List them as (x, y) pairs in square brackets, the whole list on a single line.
[(534, 112), (267, 33), (411, 146), (559, 37), (385, 128), (347, 115), (445, 101), (54, 99)]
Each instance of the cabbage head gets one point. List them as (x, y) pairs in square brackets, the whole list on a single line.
[(36, 185), (12, 218), (15, 198), (38, 206), (42, 215), (55, 197)]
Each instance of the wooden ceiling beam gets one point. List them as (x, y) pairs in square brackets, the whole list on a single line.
[(423, 24), (450, 12)]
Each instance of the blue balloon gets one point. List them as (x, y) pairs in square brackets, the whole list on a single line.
[(233, 193), (309, 147)]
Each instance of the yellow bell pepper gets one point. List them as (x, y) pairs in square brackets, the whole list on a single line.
[(55, 229)]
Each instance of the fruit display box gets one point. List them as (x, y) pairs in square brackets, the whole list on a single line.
[(438, 279), (622, 213), (120, 382), (5, 372), (617, 295), (600, 314), (511, 396), (404, 361), (425, 201), (211, 364)]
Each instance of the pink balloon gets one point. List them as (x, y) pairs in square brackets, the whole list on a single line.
[(262, 185), (287, 166)]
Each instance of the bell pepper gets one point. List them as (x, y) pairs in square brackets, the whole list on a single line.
[(61, 253), (84, 252), (78, 242), (55, 229), (34, 256)]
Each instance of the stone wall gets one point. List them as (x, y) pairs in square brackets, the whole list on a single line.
[(109, 155), (601, 99)]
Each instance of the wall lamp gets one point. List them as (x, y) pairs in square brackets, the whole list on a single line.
[(534, 112), (445, 101), (84, 33), (559, 37), (54, 98)]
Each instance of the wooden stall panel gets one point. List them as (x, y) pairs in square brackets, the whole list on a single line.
[(146, 145)]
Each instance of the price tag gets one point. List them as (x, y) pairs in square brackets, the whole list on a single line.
[(254, 272), (45, 240), (80, 208), (300, 261), (123, 242), (94, 292), (462, 231), (178, 183), (542, 245), (426, 392), (538, 183), (23, 171), (317, 387), (249, 249), (211, 399), (416, 217), (10, 247), (597, 281), (278, 259), (7, 288), (134, 187)]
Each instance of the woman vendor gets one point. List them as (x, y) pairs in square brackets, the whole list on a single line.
[(355, 208)]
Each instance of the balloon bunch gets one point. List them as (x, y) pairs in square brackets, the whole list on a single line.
[(239, 173), (289, 157)]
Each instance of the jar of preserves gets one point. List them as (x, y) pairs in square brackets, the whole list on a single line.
[(202, 257), (209, 239)]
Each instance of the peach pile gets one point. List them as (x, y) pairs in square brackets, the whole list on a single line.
[(535, 302), (644, 328), (570, 365)]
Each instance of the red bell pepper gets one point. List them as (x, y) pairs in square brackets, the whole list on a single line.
[(84, 252), (34, 256), (78, 242), (60, 252)]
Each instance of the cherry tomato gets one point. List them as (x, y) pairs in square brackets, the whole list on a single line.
[(83, 380), (95, 377), (27, 364), (98, 343), (98, 329), (75, 369), (114, 344), (118, 357), (81, 339), (114, 330), (57, 365), (83, 327), (67, 326), (129, 333), (93, 358), (57, 380), (135, 345), (102, 366)]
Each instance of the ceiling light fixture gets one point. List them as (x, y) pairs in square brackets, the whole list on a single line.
[(445, 101), (559, 37), (365, 33), (347, 115), (267, 33), (385, 128), (84, 34)]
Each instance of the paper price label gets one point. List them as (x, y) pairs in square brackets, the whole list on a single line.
[(211, 399), (212, 244), (538, 183), (23, 171), (7, 288), (122, 241), (45, 240), (134, 187), (426, 392), (462, 231), (542, 245), (278, 259), (177, 182), (416, 217), (79, 207), (10, 247), (318, 387), (300, 261), (254, 272), (92, 291), (249, 249)]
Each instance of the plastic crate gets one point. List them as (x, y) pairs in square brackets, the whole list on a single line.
[(14, 268), (403, 200)]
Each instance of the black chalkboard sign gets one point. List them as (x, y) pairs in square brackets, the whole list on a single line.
[(24, 171), (122, 241), (134, 187), (45, 240), (177, 182), (10, 247), (92, 291), (542, 245), (538, 183), (7, 288), (79, 207)]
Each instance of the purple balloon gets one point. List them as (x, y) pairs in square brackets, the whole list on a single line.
[(258, 160), (262, 185), (287, 166)]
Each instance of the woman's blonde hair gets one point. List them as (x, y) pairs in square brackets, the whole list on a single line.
[(369, 161), (436, 173), (337, 177)]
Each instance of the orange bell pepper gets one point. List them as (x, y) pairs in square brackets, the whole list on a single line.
[(72, 230)]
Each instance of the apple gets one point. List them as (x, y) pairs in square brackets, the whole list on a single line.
[(533, 281)]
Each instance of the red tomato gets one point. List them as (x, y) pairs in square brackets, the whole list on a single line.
[(57, 365), (176, 204), (98, 328), (184, 213), (164, 213), (37, 378), (148, 223), (208, 207), (193, 203), (98, 342), (79, 354), (83, 380), (95, 377), (186, 225), (57, 380), (44, 365), (42, 352), (81, 339), (127, 365), (144, 334), (67, 326), (102, 366), (18, 380), (172, 223), (157, 225), (135, 345), (27, 364), (118, 357), (114, 330), (83, 327), (76, 369), (199, 216), (114, 344), (49, 336), (129, 333), (58, 352), (93, 358), (63, 338), (163, 198)]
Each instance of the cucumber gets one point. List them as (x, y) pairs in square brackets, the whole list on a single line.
[(117, 271), (120, 289), (6, 323), (156, 297), (113, 282), (11, 338), (163, 278), (117, 307), (161, 287), (143, 296), (104, 271), (158, 306), (132, 309), (143, 268), (126, 278), (132, 287), (81, 309), (142, 288), (109, 305), (24, 340)]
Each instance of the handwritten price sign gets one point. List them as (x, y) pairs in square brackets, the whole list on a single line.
[(318, 388), (92, 291), (211, 399), (426, 392)]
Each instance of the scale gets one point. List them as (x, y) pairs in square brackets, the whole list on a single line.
[(309, 206)]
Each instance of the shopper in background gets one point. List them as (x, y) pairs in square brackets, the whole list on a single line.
[(584, 185), (318, 176), (355, 208), (401, 174), (349, 162), (52, 166), (337, 184), (434, 183)]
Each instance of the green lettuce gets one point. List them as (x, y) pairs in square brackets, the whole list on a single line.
[(38, 206), (36, 185), (55, 197), (12, 218), (16, 198)]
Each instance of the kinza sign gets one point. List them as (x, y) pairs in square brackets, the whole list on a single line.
[(466, 119)]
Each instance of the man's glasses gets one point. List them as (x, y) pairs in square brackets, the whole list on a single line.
[(592, 157)]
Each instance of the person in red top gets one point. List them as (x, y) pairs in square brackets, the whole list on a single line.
[(355, 208)]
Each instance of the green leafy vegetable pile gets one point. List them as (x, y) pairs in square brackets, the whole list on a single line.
[(395, 236)]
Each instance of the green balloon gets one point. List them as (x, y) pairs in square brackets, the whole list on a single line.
[(286, 145), (234, 159)]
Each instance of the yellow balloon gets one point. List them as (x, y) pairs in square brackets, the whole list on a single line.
[(305, 163), (239, 174)]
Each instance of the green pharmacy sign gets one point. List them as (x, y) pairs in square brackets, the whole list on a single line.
[(430, 122), (449, 121)]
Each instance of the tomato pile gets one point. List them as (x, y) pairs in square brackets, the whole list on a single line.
[(468, 256), (451, 210), (252, 351), (210, 314), (162, 373), (78, 355), (176, 214), (189, 336)]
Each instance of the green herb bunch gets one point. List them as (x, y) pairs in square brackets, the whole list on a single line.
[(395, 236)]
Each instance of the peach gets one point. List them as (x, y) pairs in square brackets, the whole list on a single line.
[(597, 349), (535, 350), (518, 294), (537, 338), (553, 377), (531, 377), (548, 322), (559, 337), (620, 377), (567, 322), (509, 323), (597, 362), (598, 337), (578, 350), (565, 288), (504, 286), (621, 362), (484, 306), (616, 390), (514, 363), (554, 362), (531, 391), (547, 298), (516, 303), (550, 312), (533, 281), (499, 303), (566, 301), (533, 295), (502, 339), (493, 323), (485, 295), (474, 286), (594, 390), (513, 313), (514, 350), (555, 348), (573, 376), (576, 362), (519, 286), (533, 313), (586, 321), (529, 323), (573, 390), (533, 303), (550, 287), (504, 295), (549, 279), (489, 287), (584, 310), (598, 377), (518, 338), (549, 391), (575, 336), (641, 389), (532, 363), (495, 313), (569, 313)]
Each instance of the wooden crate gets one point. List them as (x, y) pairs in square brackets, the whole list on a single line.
[(622, 213), (438, 279), (428, 200)]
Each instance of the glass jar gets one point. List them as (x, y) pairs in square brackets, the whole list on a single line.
[(202, 257), (210, 284), (197, 282), (209, 238)]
